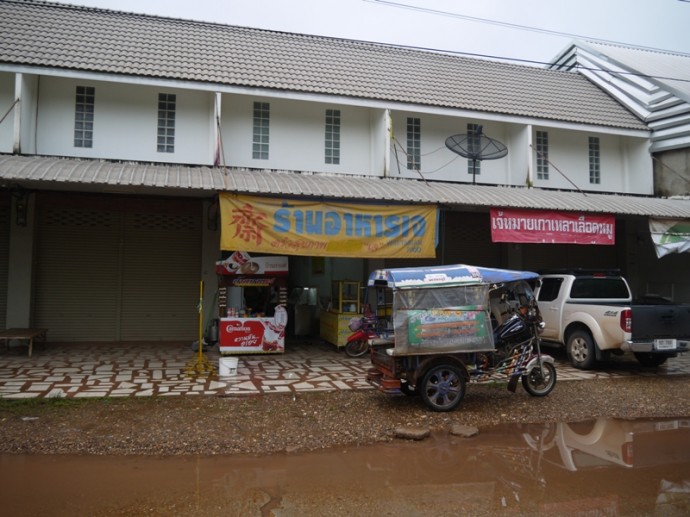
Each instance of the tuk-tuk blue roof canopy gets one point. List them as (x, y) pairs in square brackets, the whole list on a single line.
[(445, 276)]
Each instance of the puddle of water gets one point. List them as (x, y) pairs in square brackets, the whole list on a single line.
[(603, 467)]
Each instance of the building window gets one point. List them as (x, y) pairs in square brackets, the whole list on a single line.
[(332, 137), (260, 141), (473, 143), (594, 160), (414, 144), (542, 155), (166, 122), (83, 116)]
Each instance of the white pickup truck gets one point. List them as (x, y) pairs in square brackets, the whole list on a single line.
[(593, 315)]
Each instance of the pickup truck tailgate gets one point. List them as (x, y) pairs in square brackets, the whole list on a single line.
[(660, 321)]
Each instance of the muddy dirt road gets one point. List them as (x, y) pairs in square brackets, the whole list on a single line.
[(513, 469)]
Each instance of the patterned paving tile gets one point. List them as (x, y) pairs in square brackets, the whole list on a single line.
[(150, 369)]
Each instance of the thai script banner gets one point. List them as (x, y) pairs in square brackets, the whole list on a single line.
[(546, 227), (327, 229)]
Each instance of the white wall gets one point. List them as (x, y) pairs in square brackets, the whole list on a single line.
[(639, 165), (125, 128), (440, 163), (6, 100), (378, 142), (125, 122), (296, 136), (28, 86), (625, 166), (517, 139)]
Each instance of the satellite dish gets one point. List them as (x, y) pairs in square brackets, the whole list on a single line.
[(476, 147)]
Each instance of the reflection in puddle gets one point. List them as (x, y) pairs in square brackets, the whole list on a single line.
[(601, 467)]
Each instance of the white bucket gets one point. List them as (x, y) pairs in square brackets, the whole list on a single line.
[(227, 366)]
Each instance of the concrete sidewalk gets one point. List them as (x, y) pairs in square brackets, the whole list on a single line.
[(163, 369)]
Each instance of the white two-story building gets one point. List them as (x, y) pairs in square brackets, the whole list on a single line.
[(119, 131)]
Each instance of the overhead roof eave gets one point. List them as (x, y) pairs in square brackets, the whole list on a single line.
[(50, 173)]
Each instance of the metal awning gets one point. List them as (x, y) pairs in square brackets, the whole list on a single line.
[(50, 173)]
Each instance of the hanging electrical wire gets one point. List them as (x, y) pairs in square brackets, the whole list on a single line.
[(534, 29), (671, 169), (509, 25), (397, 144), (543, 156)]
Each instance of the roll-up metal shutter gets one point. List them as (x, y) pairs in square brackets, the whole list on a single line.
[(467, 240), (536, 257), (161, 275), (77, 273), (5, 206), (117, 269), (548, 256)]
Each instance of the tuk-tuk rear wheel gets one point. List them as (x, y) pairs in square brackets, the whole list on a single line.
[(443, 387)]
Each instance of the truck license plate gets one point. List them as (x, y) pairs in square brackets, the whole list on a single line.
[(664, 344)]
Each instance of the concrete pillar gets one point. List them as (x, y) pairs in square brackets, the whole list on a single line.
[(20, 267)]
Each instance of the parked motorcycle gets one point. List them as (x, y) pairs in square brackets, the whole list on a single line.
[(362, 331), (517, 354), (367, 331)]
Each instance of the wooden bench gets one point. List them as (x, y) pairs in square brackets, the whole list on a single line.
[(27, 335)]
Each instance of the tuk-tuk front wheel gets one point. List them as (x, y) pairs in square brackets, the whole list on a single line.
[(540, 383), (443, 387)]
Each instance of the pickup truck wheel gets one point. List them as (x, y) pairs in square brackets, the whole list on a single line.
[(580, 348), (443, 387), (650, 360)]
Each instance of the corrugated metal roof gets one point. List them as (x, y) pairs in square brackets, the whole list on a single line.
[(43, 34), (668, 69), (653, 84), (102, 176)]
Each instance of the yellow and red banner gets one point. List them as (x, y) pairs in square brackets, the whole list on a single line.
[(327, 229)]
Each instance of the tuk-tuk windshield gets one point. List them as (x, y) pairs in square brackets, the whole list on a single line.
[(470, 296), (448, 319)]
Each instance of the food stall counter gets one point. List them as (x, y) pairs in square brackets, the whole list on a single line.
[(253, 335)]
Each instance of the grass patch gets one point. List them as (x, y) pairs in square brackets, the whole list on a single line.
[(37, 406)]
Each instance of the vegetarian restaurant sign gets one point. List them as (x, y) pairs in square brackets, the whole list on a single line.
[(546, 227), (327, 228)]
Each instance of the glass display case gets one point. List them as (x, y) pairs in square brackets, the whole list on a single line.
[(345, 296), (345, 305)]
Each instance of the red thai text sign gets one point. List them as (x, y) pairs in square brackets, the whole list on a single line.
[(546, 227)]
